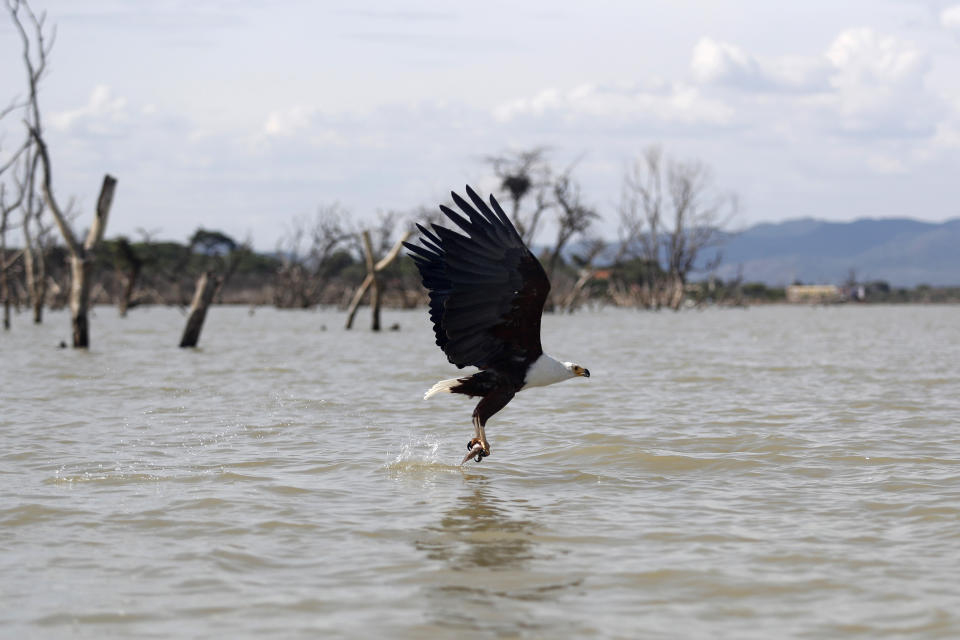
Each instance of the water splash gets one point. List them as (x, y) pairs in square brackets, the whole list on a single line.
[(417, 453)]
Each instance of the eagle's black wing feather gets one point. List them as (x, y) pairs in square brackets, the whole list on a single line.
[(487, 290)]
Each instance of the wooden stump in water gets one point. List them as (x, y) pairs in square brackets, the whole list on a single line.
[(135, 266), (207, 285), (371, 280), (81, 262)]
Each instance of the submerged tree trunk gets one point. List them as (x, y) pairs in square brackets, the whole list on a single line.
[(127, 296), (136, 266), (207, 285), (79, 300), (374, 283), (676, 293), (81, 264), (4, 283), (586, 275), (5, 264), (371, 280), (357, 297), (36, 280)]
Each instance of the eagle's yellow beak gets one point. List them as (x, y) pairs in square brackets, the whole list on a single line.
[(580, 371)]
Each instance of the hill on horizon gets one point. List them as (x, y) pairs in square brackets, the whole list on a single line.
[(901, 251)]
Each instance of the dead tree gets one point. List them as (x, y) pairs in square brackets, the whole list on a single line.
[(372, 279), (207, 285), (641, 221), (524, 175), (699, 213), (308, 252), (81, 254), (670, 215)]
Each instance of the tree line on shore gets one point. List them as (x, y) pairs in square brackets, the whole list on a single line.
[(320, 263)]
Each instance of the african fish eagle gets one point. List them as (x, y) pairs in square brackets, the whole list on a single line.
[(487, 292)]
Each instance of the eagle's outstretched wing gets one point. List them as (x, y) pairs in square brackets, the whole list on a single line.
[(487, 290)]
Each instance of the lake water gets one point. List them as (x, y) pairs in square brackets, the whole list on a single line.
[(777, 472)]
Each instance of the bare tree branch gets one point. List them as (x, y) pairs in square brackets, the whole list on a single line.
[(307, 252), (16, 156), (573, 216), (47, 187)]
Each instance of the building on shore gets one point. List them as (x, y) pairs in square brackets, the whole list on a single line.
[(814, 293)]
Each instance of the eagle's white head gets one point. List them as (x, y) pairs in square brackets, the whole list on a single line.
[(576, 370), (546, 370)]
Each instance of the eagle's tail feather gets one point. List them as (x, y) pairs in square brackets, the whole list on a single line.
[(444, 386), (479, 384)]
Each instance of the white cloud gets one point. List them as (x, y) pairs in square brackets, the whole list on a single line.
[(288, 121), (864, 56), (723, 63), (864, 83), (102, 114), (677, 104), (950, 17), (877, 84), (857, 58)]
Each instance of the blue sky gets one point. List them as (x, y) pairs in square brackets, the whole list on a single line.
[(241, 114)]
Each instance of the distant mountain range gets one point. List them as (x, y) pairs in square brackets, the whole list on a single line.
[(901, 251)]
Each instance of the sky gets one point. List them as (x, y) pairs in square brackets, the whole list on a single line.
[(240, 115)]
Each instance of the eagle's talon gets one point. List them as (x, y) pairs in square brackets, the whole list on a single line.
[(476, 452)]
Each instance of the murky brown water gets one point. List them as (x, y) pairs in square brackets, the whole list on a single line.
[(770, 473)]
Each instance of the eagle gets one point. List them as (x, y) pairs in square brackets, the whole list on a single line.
[(487, 291)]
